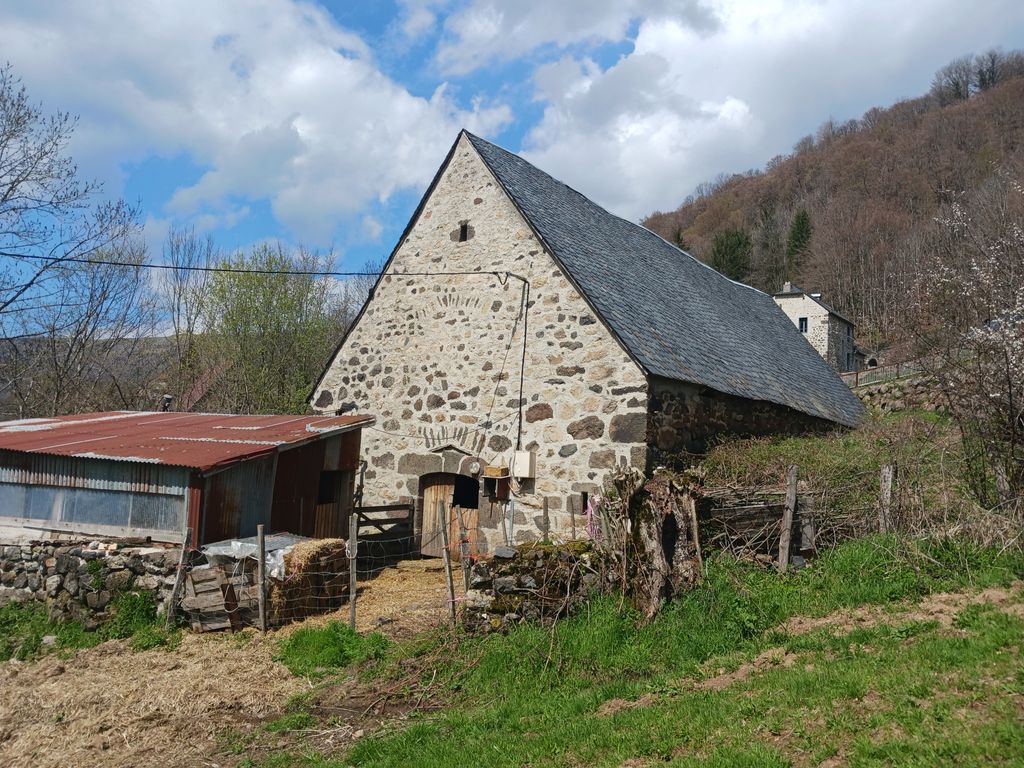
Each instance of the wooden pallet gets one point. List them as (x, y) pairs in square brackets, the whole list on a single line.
[(215, 600)]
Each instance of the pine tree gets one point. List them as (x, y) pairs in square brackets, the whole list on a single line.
[(730, 253), (799, 239)]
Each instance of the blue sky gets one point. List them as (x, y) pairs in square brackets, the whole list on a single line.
[(322, 123)]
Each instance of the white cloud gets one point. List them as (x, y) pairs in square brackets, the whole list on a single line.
[(488, 30), (272, 97), (693, 100), (419, 17)]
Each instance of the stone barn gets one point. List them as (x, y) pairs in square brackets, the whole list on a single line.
[(522, 343)]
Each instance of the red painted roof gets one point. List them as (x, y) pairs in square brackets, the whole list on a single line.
[(198, 440)]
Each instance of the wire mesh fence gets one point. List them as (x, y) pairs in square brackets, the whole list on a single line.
[(355, 579)]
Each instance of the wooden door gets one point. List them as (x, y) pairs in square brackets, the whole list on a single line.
[(435, 490), (441, 488)]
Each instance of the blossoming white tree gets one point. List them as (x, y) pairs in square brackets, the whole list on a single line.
[(971, 324)]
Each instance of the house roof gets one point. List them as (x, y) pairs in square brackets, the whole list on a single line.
[(795, 291), (677, 317), (201, 441)]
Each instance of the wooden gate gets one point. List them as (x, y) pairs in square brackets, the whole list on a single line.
[(442, 488)]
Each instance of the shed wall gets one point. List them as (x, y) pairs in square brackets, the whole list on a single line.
[(58, 493)]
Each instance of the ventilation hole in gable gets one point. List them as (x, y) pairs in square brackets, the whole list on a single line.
[(463, 232)]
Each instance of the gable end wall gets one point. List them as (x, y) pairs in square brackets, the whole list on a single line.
[(438, 359)]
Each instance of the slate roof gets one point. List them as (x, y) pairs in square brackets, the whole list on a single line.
[(678, 318)]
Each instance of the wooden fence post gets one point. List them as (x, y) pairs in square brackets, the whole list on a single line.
[(571, 501), (261, 576), (446, 557), (352, 545), (179, 579), (787, 518), (463, 547), (888, 474)]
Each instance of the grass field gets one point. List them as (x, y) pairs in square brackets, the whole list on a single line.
[(899, 673)]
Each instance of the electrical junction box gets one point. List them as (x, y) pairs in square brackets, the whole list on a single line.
[(523, 465)]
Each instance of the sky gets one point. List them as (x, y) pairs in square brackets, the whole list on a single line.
[(322, 123)]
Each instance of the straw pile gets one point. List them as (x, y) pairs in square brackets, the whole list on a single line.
[(315, 581)]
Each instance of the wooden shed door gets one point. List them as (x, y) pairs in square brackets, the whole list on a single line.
[(442, 488)]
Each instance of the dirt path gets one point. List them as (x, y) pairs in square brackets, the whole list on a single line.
[(110, 706)]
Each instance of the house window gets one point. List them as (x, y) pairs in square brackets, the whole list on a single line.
[(463, 232), (849, 361), (849, 331), (803, 325)]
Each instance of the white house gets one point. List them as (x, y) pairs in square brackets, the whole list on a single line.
[(829, 332)]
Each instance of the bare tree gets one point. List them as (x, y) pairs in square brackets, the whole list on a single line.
[(48, 215), (185, 292), (954, 81), (87, 346)]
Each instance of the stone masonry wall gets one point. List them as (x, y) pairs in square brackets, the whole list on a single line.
[(912, 392), (77, 580), (437, 358), (686, 418), (817, 335)]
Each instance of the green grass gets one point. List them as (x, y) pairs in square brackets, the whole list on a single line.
[(532, 696), (23, 627), (844, 465), (317, 651)]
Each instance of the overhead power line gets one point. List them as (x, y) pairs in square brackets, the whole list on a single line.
[(233, 270)]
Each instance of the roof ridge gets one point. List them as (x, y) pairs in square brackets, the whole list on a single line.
[(474, 139)]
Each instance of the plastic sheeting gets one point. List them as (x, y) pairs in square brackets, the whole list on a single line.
[(277, 546)]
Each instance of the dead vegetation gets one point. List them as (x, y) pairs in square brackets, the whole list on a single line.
[(205, 702)]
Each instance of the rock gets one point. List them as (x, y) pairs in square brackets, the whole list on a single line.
[(480, 576), (499, 443), (528, 582), (53, 585), (149, 582), (539, 412), (71, 584), (602, 459), (567, 450), (505, 553), (48, 640), (118, 580), (21, 580), (628, 428), (477, 600), (587, 428), (503, 585)]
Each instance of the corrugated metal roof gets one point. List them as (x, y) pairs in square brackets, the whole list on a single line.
[(200, 441)]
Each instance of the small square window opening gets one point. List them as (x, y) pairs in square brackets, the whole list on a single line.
[(463, 232)]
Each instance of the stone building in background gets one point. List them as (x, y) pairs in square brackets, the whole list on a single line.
[(829, 332), (518, 323)]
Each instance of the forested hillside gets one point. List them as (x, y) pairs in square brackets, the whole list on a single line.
[(852, 211)]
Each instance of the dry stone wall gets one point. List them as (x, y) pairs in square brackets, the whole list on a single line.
[(913, 392), (438, 357), (686, 419), (77, 580)]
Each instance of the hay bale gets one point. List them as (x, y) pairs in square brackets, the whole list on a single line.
[(315, 581)]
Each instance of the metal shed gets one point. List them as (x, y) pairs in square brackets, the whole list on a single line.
[(131, 473)]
